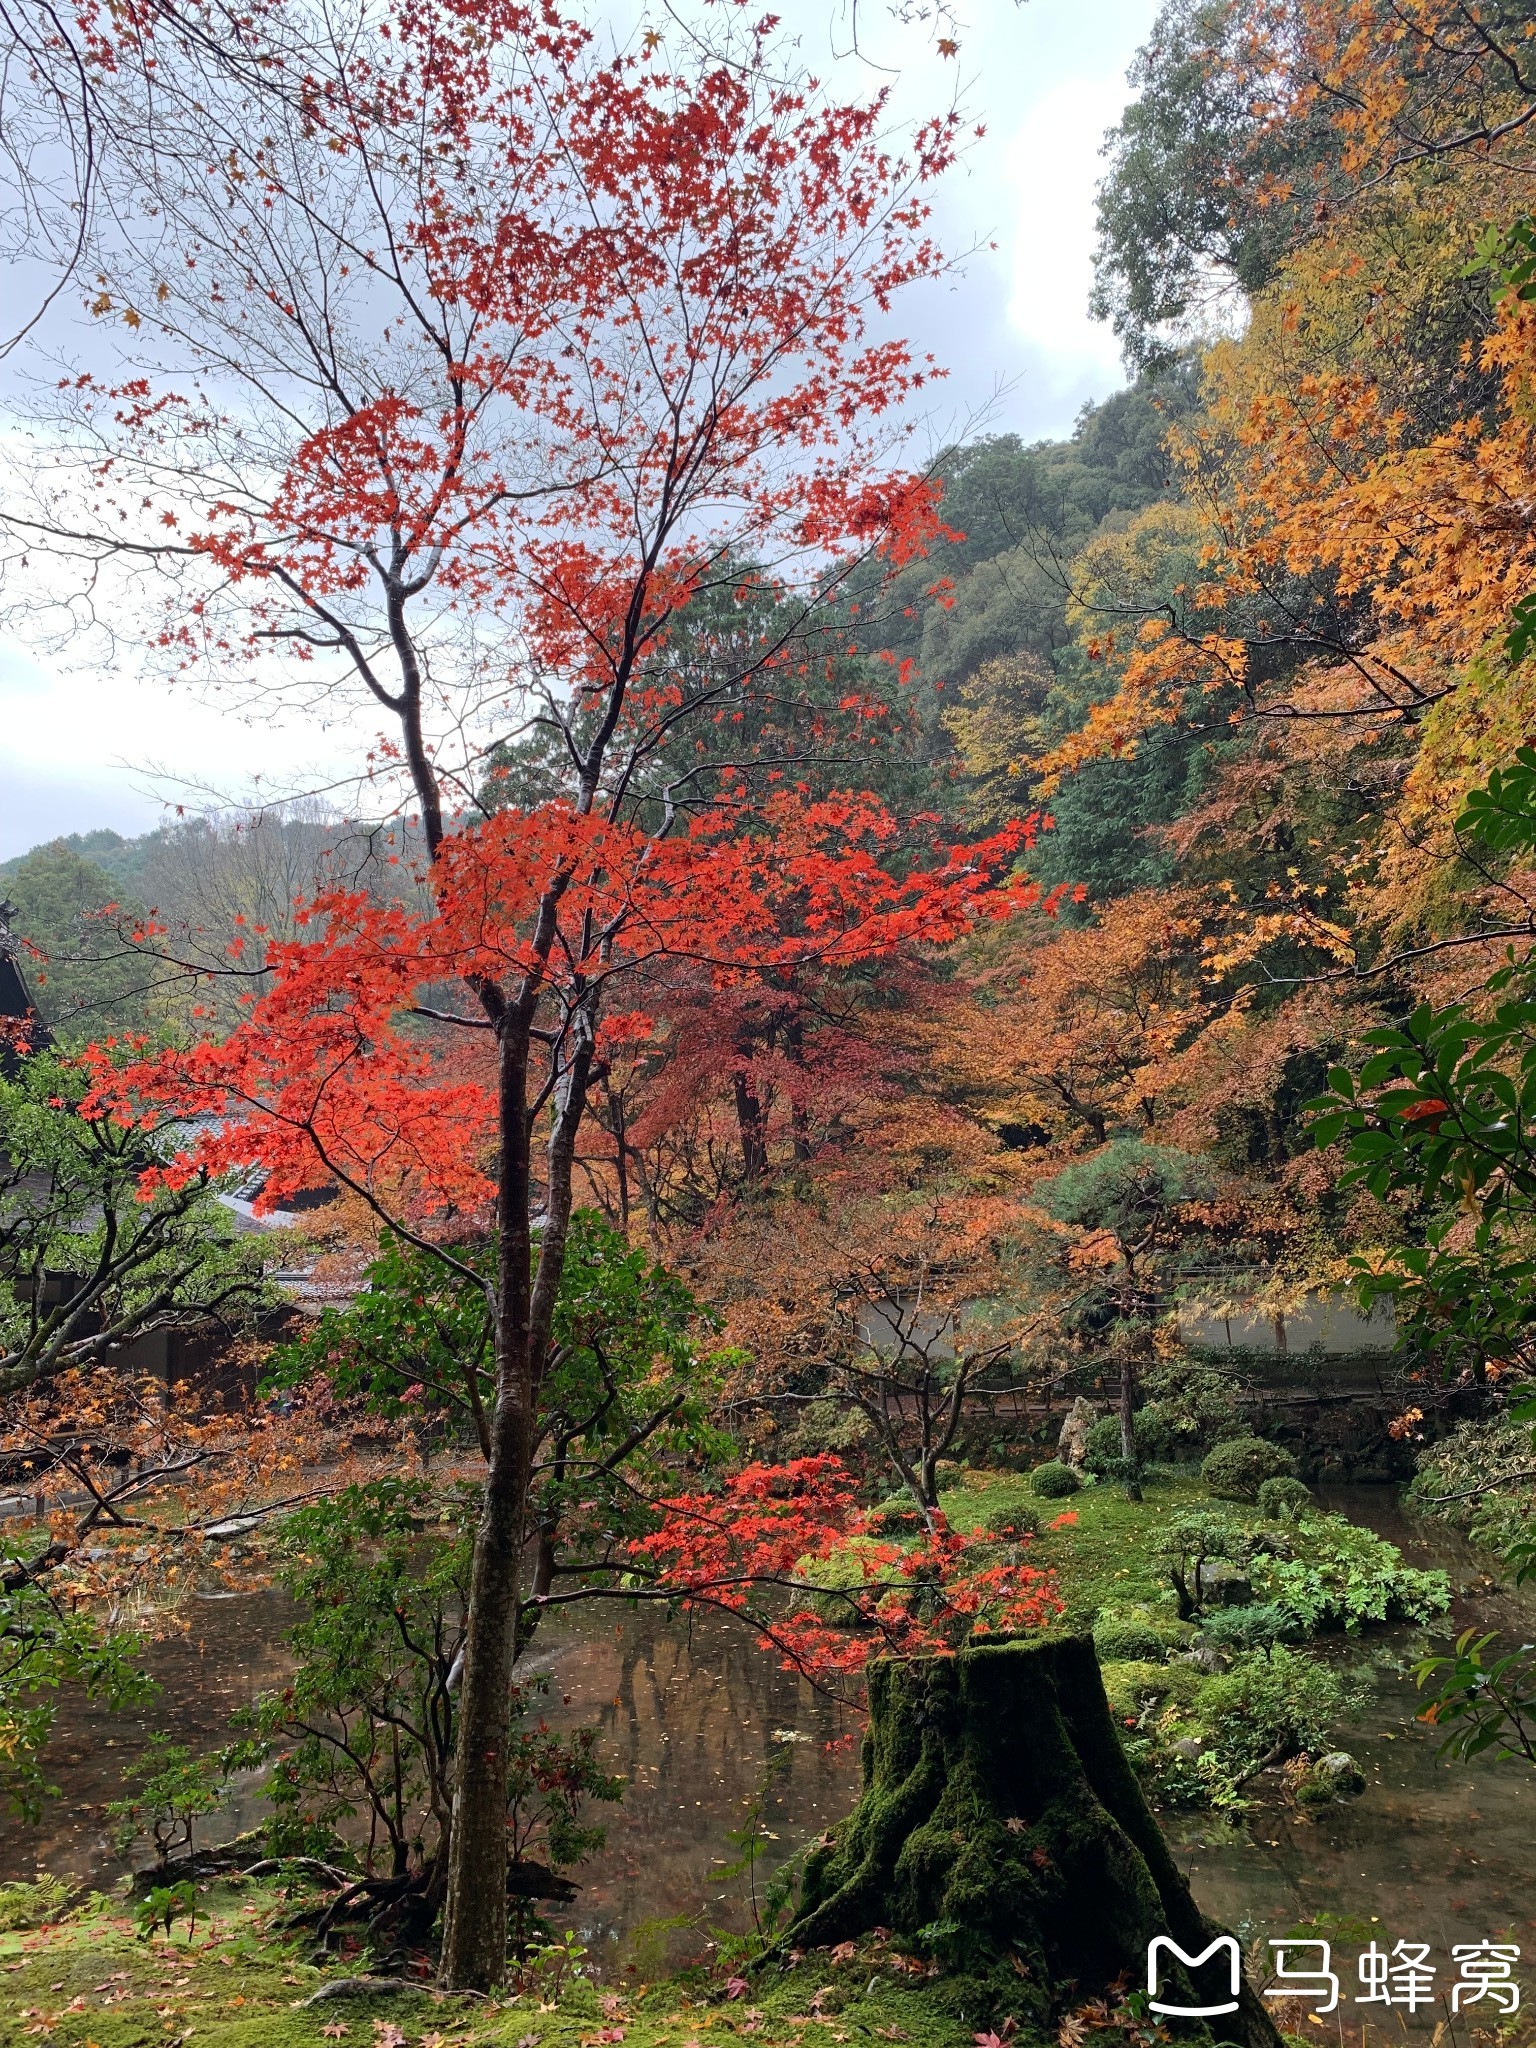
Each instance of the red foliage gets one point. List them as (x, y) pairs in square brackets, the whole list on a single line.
[(765, 1525), (330, 1076)]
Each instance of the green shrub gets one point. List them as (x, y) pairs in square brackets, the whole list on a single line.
[(1339, 1575), (1284, 1500), (1273, 1704), (1162, 1437), (1007, 1522), (898, 1516), (1128, 1640), (1101, 1446), (1053, 1480), (1250, 1628), (1236, 1470)]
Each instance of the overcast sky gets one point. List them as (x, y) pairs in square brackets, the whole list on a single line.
[(81, 748)]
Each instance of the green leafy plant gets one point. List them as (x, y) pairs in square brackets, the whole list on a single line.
[(172, 1789), (1483, 1701), (45, 1643), (1273, 1704), (547, 1968), (1284, 1499), (1054, 1480), (1440, 1125), (363, 1734), (165, 1904), (1339, 1575), (1187, 1543), (1237, 1469), (33, 1905)]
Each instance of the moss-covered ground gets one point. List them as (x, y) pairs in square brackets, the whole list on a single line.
[(92, 1982), (1100, 1546)]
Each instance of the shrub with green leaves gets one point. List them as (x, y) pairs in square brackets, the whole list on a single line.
[(1236, 1470), (1271, 1705), (362, 1737), (1101, 1447), (1284, 1500), (171, 1789), (1125, 1639), (1253, 1627), (1054, 1480), (1009, 1523), (1187, 1542), (1337, 1575)]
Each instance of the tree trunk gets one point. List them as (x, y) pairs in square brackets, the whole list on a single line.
[(1002, 1828), (474, 1954), (1128, 1424), (475, 1935)]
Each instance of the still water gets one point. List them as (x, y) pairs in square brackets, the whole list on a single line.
[(693, 1714)]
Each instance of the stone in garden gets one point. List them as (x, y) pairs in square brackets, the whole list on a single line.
[(1072, 1444), (1223, 1585)]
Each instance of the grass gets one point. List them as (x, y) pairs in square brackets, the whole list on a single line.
[(1103, 1557), (90, 1982)]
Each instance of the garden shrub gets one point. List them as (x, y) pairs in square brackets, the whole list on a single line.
[(1478, 1480), (1338, 1575), (1053, 1480), (1101, 1446), (1272, 1705), (897, 1516), (1128, 1639), (1236, 1470), (1009, 1521), (1253, 1627), (1284, 1500)]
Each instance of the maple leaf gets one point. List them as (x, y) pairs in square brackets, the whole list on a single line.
[(387, 2035), (335, 2030)]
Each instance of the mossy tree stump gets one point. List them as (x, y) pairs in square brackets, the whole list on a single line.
[(1002, 1828)]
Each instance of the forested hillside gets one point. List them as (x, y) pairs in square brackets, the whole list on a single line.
[(866, 1006)]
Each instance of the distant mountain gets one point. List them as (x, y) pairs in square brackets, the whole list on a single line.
[(121, 859)]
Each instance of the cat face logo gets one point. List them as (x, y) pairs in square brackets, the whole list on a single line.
[(1161, 1942)]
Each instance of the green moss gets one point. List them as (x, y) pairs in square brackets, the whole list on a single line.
[(240, 1985), (1032, 1869), (1131, 1684)]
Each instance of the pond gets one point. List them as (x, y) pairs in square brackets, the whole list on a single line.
[(1431, 1851), (693, 1714)]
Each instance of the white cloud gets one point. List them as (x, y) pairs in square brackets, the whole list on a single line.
[(1053, 166), (1045, 78)]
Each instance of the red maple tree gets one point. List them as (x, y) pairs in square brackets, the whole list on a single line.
[(458, 379)]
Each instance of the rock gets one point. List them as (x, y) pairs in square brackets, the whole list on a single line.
[(359, 1987), (1202, 1657), (1340, 1773), (1072, 1444), (1189, 1747), (1223, 1585)]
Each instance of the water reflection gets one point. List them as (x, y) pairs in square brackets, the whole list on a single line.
[(689, 1709), (1431, 1851)]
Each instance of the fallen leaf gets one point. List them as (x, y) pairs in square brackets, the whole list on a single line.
[(337, 2030), (387, 2035)]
